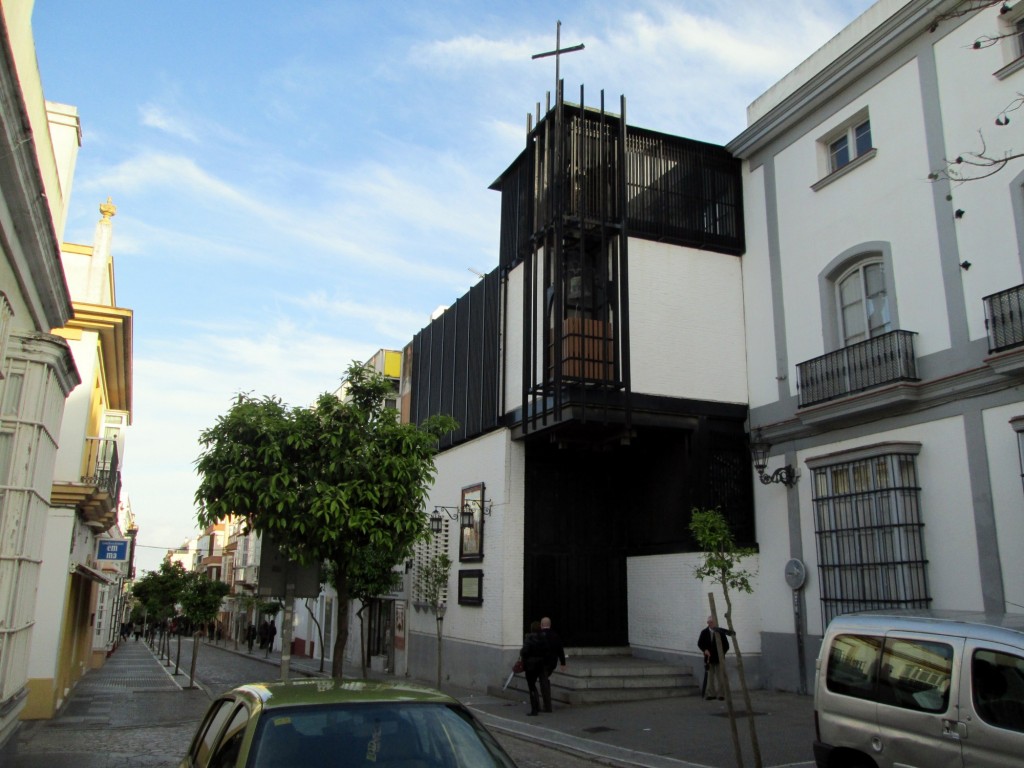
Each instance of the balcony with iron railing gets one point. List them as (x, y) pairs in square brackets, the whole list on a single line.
[(883, 360), (1004, 319), (98, 490)]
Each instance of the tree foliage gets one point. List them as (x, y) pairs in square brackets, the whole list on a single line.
[(201, 598), (722, 558), (325, 483), (434, 578), (159, 591)]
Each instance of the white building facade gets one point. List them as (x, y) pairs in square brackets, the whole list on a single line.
[(599, 380), (883, 325), (37, 370)]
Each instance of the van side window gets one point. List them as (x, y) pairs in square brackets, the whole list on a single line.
[(915, 674), (997, 688), (853, 665)]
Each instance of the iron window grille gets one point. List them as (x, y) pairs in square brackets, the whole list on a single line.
[(867, 522)]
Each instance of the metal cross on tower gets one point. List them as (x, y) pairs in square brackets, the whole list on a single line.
[(557, 53)]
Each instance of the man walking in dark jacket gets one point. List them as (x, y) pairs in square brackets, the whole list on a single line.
[(555, 655)]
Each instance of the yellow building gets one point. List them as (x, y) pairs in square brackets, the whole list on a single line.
[(85, 495)]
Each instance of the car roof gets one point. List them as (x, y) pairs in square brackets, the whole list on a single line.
[(990, 626), (320, 691)]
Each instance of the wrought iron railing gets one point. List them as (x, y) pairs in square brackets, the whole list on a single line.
[(1004, 319), (102, 468), (873, 363)]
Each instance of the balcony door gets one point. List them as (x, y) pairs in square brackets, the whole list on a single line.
[(863, 303)]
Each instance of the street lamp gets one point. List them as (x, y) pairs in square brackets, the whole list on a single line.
[(759, 450), (453, 513)]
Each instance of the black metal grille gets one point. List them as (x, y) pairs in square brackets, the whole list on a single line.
[(455, 364), (684, 191), (102, 465), (1004, 319), (867, 519), (676, 190), (882, 360)]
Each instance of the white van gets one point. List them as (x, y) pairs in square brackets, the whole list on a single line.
[(935, 689)]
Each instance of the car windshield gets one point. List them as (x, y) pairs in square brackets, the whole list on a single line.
[(386, 735)]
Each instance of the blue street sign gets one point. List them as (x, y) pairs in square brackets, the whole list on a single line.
[(112, 549)]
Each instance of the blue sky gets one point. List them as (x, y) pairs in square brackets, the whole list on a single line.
[(302, 183)]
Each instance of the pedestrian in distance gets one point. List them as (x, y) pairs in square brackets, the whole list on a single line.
[(713, 686), (271, 634), (534, 654), (555, 657), (250, 635), (264, 633)]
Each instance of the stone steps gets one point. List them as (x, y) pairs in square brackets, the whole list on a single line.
[(603, 675)]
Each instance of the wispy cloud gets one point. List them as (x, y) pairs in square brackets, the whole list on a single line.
[(153, 116)]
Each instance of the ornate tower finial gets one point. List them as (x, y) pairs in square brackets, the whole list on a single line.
[(108, 209)]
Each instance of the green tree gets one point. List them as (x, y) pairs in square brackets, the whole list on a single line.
[(433, 582), (371, 573), (201, 598), (159, 591), (324, 482), (722, 565)]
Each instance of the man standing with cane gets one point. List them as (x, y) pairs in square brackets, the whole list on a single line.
[(712, 669)]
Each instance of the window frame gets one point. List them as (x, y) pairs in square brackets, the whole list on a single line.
[(828, 286), (869, 533), (860, 269), (846, 131), (1011, 41)]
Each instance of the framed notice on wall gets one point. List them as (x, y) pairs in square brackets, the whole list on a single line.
[(471, 587), (471, 540)]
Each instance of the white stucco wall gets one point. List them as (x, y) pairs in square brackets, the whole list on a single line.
[(946, 511), (1007, 496), (686, 323), (51, 593), (494, 460), (762, 386), (971, 98), (668, 606), (815, 227), (73, 427)]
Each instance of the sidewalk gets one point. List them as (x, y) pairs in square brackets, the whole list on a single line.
[(134, 704)]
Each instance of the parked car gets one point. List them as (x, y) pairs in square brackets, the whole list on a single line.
[(922, 688), (316, 723)]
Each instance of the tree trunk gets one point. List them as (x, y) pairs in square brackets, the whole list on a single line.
[(341, 640), (195, 656), (723, 681), (363, 661), (286, 628), (319, 633), (754, 744), (440, 632)]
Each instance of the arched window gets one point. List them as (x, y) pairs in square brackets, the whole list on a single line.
[(863, 302)]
